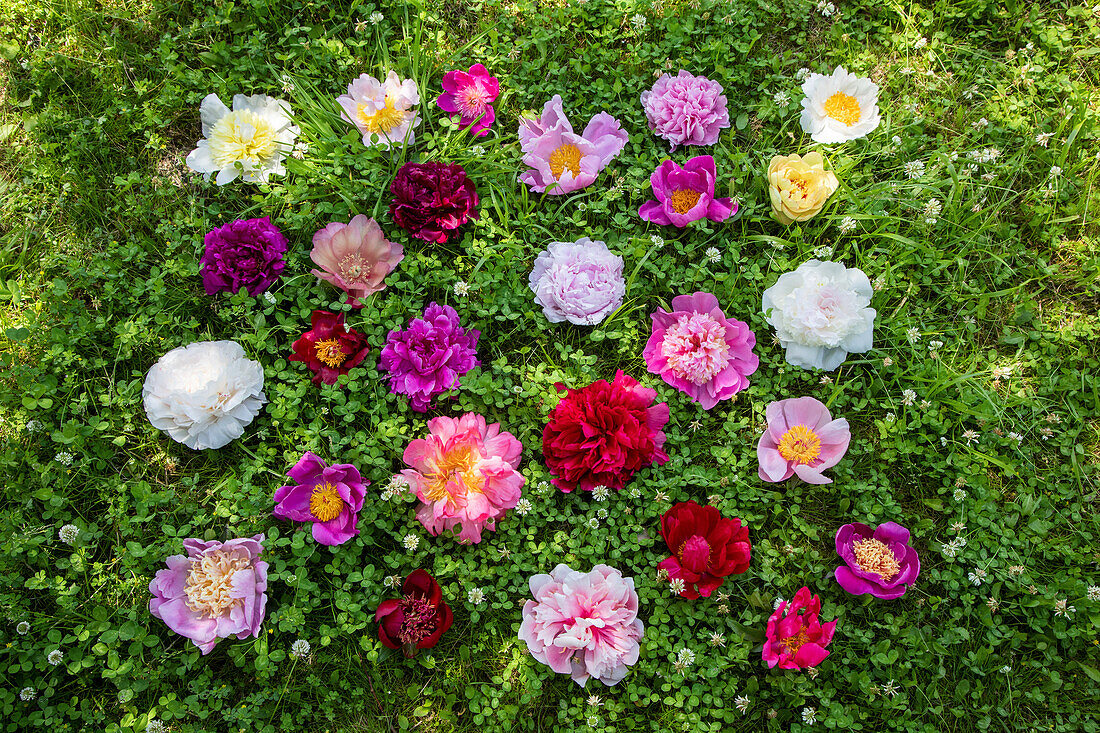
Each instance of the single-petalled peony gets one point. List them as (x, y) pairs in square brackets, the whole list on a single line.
[(432, 200), (795, 638), (878, 561), (583, 624), (330, 348), (685, 194), (204, 394), (430, 356), (417, 619), (355, 257), (801, 439), (580, 282), (699, 351), (384, 111), (602, 434), (470, 94), (464, 473), (821, 313), (251, 141), (216, 590), (328, 496), (799, 186), (839, 107), (686, 109), (560, 160), (246, 253), (706, 547)]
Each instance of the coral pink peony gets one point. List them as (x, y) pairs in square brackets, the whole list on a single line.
[(417, 619), (471, 95), (685, 194), (432, 200), (328, 496), (583, 624), (562, 161), (877, 561), (795, 639), (706, 547), (802, 438), (686, 109), (330, 348), (355, 257), (697, 350), (465, 474)]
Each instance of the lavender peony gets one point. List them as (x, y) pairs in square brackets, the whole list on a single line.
[(580, 282), (429, 357), (247, 253), (560, 160), (686, 109)]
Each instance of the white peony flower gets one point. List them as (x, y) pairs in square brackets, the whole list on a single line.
[(204, 394), (252, 140), (580, 282), (840, 107), (384, 111), (820, 313)]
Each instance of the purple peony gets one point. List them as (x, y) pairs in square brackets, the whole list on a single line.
[(685, 194), (878, 561), (243, 253), (580, 282), (432, 200), (429, 357), (328, 496), (686, 109)]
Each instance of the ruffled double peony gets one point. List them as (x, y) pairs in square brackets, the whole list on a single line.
[(216, 590), (330, 348), (795, 637), (799, 186), (878, 561), (821, 313), (802, 440), (839, 107), (465, 474), (432, 200), (204, 394), (250, 141), (580, 282), (383, 111), (562, 161), (355, 257), (686, 109), (583, 624), (430, 356), (685, 194), (417, 619), (247, 253), (706, 547), (602, 434), (328, 496), (470, 94), (699, 351)]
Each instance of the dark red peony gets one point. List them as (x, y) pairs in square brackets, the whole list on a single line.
[(417, 619), (432, 200), (603, 434), (330, 348), (706, 547)]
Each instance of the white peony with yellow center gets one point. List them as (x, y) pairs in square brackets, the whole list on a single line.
[(839, 107), (383, 111), (249, 141)]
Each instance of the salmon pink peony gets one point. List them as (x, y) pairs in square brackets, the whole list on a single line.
[(355, 257), (417, 619), (795, 639), (877, 561), (706, 547), (330, 348), (328, 496), (802, 439)]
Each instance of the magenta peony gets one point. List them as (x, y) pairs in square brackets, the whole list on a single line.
[(795, 638), (247, 253), (471, 95), (562, 161), (801, 439), (877, 561), (580, 282), (328, 496), (355, 257), (686, 109), (432, 200), (685, 194)]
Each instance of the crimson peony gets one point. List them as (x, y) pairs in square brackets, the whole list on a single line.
[(432, 200), (417, 619), (330, 348), (706, 547)]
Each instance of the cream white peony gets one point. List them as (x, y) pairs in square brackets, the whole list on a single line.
[(204, 394), (820, 313), (840, 107), (251, 141)]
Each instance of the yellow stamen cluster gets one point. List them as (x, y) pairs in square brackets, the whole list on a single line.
[(209, 586), (843, 108), (800, 444), (381, 121), (874, 556), (792, 644), (325, 503), (684, 199), (330, 352), (244, 136), (458, 463), (566, 156)]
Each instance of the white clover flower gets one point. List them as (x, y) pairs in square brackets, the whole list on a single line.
[(1005, 669), (906, 70), (741, 702), (478, 151), (65, 458), (826, 9), (717, 639), (983, 122), (638, 21), (22, 628), (411, 542), (397, 486), (890, 689), (1093, 593), (385, 111), (933, 208), (823, 251), (957, 527), (950, 549), (69, 533), (977, 576), (914, 169), (155, 726), (908, 397), (676, 586), (779, 600), (959, 495), (523, 507), (971, 436), (600, 493), (634, 492), (34, 426), (594, 701), (1055, 171), (685, 657), (920, 43), (476, 596), (847, 224), (658, 242), (713, 255), (592, 721), (802, 74), (1043, 138), (1062, 608), (27, 694), (839, 107), (781, 98), (392, 581), (890, 417), (376, 18), (300, 649), (593, 523), (250, 141), (55, 657), (809, 716), (269, 297), (462, 288)]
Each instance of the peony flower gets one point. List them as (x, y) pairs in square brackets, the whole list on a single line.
[(878, 561), (464, 474), (432, 200), (429, 357), (799, 186), (471, 95), (204, 394), (417, 619), (706, 547), (602, 434), (562, 161), (795, 639), (251, 141), (355, 257), (685, 194), (840, 107), (246, 253), (580, 282), (216, 590), (686, 109), (583, 624), (330, 348), (328, 496), (802, 438), (699, 351), (384, 111), (820, 313)]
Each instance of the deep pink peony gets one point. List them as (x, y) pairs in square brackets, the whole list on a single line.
[(685, 194), (432, 200), (471, 95), (328, 496), (697, 350), (802, 439), (355, 257), (795, 638), (246, 253), (464, 473), (583, 624), (878, 561), (217, 589), (562, 161), (686, 109), (706, 547), (417, 619)]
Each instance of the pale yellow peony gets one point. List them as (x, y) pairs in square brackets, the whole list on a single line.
[(799, 186)]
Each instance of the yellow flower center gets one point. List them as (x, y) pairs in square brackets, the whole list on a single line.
[(684, 199), (242, 136), (330, 352), (325, 502), (793, 643), (209, 586), (843, 108), (874, 556), (800, 444), (459, 463), (383, 120), (565, 156)]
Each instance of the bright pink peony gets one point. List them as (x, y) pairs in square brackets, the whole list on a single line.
[(417, 619), (328, 496), (562, 161), (878, 561), (802, 438), (795, 639), (465, 474), (697, 350), (706, 547), (685, 194), (471, 95), (583, 624), (686, 109), (355, 257)]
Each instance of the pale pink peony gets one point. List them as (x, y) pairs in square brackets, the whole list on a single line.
[(802, 439), (562, 161), (355, 257), (686, 109), (383, 111)]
